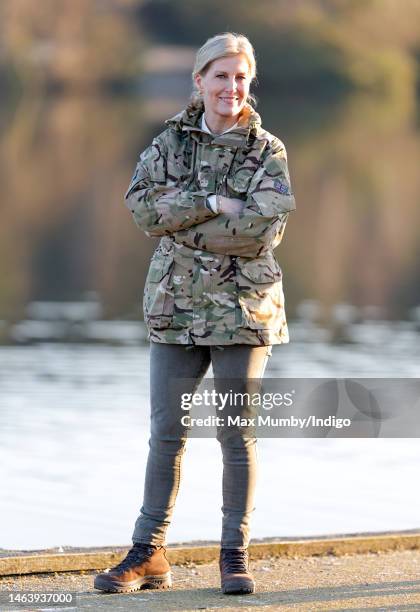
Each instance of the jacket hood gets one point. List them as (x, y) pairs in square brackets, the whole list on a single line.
[(189, 120)]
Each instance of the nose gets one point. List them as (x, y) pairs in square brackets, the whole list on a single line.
[(231, 85)]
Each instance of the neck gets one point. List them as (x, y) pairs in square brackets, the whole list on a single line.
[(218, 124)]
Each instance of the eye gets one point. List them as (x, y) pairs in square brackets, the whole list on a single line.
[(220, 76)]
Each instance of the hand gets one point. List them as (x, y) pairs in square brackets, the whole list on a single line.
[(230, 206)]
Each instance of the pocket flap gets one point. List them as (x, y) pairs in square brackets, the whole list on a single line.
[(262, 270), (239, 182), (160, 265)]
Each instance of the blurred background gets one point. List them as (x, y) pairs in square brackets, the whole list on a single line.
[(84, 87)]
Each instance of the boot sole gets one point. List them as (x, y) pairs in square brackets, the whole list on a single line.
[(162, 581), (245, 591), (238, 589)]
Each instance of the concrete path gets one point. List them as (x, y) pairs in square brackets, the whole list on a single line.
[(352, 582)]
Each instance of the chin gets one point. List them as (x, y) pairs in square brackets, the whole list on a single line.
[(230, 112)]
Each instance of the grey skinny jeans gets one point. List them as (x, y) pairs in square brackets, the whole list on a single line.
[(168, 438)]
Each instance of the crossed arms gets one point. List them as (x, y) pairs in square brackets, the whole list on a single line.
[(233, 227)]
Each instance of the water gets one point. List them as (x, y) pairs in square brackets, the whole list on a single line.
[(73, 447)]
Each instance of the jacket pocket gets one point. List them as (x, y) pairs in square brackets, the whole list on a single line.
[(260, 292), (238, 183), (158, 298)]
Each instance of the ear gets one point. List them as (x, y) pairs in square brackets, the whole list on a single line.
[(199, 82)]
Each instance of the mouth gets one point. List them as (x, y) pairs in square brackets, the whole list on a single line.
[(228, 99)]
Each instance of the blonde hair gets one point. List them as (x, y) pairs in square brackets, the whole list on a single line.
[(222, 45)]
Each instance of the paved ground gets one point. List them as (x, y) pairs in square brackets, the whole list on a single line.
[(379, 581)]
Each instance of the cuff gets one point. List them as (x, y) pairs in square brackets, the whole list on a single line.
[(212, 203)]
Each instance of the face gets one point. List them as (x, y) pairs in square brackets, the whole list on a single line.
[(225, 85)]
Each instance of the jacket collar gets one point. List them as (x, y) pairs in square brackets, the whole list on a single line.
[(189, 120)]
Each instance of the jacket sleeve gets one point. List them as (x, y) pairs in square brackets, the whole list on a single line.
[(158, 207), (260, 226)]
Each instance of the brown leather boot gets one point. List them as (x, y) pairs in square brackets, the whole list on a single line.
[(235, 576), (145, 566)]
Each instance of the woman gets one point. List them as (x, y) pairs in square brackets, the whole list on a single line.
[(215, 186)]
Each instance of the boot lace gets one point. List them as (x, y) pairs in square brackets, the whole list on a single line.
[(234, 561), (136, 555)]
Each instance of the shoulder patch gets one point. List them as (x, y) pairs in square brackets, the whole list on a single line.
[(282, 188)]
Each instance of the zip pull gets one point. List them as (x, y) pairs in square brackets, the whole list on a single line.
[(222, 185)]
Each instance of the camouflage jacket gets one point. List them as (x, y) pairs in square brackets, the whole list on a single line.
[(213, 279)]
